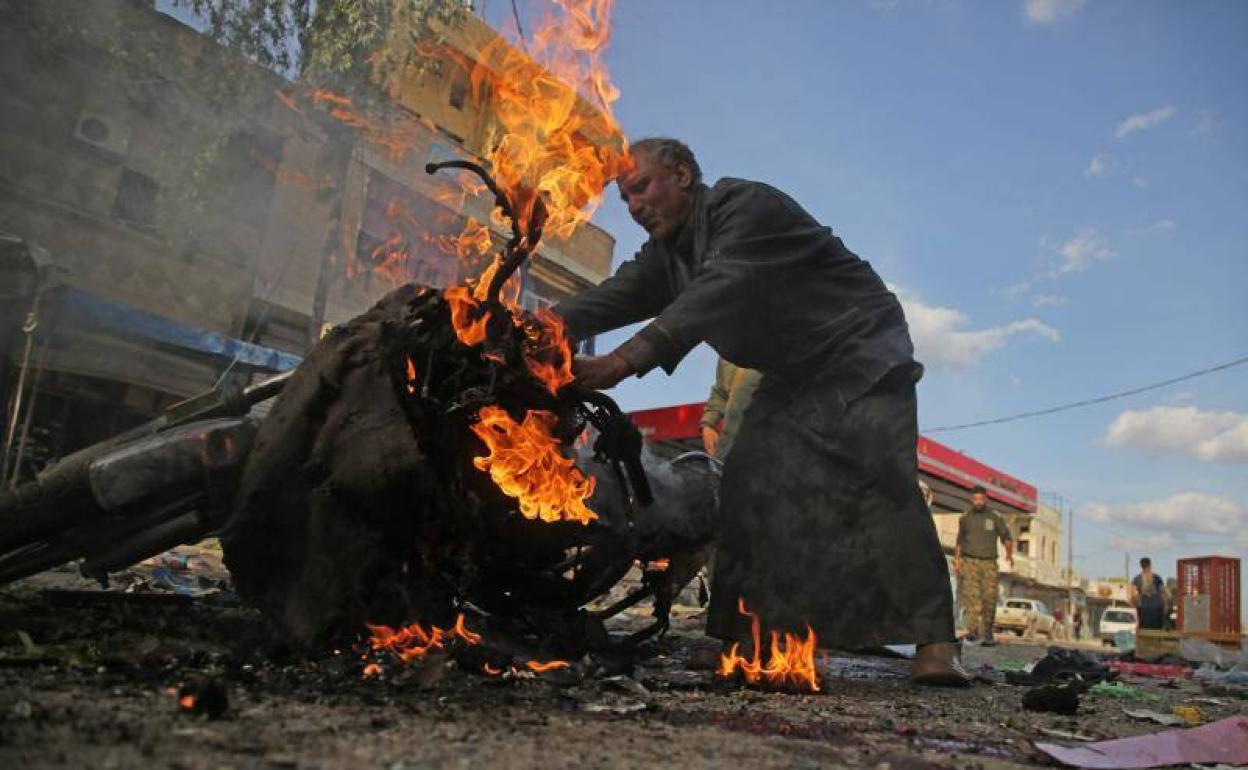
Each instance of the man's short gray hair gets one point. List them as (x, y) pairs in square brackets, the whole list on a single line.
[(668, 152)]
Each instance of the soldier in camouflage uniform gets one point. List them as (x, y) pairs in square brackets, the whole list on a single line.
[(976, 564)]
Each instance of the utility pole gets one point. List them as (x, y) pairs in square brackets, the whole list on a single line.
[(1070, 547), (1126, 566)]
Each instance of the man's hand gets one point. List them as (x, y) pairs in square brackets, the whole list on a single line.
[(957, 567), (601, 372), (710, 439)]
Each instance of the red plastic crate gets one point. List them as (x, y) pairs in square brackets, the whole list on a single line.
[(1215, 577)]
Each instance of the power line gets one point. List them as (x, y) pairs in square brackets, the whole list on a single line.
[(515, 14), (1090, 401)]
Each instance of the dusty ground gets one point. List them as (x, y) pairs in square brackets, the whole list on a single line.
[(96, 686)]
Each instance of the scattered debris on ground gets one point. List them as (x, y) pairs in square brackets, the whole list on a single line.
[(200, 683)]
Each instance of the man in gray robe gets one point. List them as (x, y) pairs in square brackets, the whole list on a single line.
[(822, 521)]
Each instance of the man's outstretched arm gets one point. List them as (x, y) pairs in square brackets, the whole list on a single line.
[(637, 291)]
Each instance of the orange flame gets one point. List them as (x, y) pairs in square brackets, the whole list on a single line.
[(791, 663), (548, 356), (461, 631), (187, 702), (397, 137), (415, 641), (538, 667), (411, 379), (372, 670), (560, 139), (525, 462), (560, 144), (474, 242)]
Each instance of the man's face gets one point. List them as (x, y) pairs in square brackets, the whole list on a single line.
[(979, 500), (659, 198)]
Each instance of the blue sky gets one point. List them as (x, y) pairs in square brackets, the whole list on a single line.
[(1058, 190)]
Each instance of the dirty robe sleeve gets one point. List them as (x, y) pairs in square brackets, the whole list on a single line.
[(637, 291), (754, 232)]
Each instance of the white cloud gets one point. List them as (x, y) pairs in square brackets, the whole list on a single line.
[(1206, 436), (1175, 517), (1045, 12), (1207, 124), (1082, 251), (1144, 120), (1159, 225), (940, 339), (1098, 166), (1046, 300), (1015, 290)]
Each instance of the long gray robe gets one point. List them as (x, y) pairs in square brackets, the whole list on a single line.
[(822, 522)]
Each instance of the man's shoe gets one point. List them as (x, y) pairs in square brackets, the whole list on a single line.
[(937, 665)]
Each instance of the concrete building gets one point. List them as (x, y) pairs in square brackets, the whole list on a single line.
[(188, 246), (1040, 554)]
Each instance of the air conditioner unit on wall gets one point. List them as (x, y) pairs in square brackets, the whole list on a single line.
[(102, 133)]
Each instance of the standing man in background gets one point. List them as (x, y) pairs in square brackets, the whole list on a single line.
[(1149, 595), (730, 397), (975, 561)]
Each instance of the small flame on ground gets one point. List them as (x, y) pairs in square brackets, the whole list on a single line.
[(461, 631), (525, 462), (372, 670), (489, 670), (539, 667), (187, 702), (415, 641), (789, 663)]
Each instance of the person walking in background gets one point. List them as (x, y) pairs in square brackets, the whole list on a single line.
[(1078, 622), (1149, 596), (730, 395), (975, 562)]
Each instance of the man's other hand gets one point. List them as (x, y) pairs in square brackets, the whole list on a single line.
[(710, 439), (601, 372)]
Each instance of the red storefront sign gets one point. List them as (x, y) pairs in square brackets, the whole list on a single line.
[(941, 461), (680, 423)]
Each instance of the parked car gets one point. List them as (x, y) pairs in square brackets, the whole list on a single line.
[(1115, 620), (1025, 617)]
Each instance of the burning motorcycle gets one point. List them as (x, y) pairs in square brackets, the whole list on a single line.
[(429, 458)]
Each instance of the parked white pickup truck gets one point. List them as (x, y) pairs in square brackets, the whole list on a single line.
[(1025, 617)]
